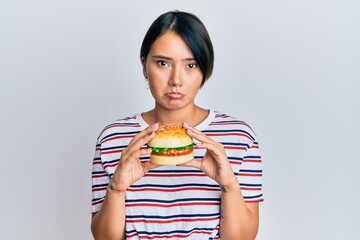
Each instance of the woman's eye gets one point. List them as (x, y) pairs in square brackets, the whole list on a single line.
[(162, 63), (192, 65)]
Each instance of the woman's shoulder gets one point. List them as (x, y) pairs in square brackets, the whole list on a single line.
[(228, 122), (126, 125)]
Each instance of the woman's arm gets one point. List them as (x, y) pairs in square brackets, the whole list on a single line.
[(239, 220), (109, 222)]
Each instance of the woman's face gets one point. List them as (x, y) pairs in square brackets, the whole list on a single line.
[(173, 74)]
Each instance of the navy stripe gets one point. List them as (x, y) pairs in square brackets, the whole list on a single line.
[(110, 162), (235, 144), (250, 170), (217, 114), (250, 185), (115, 147), (230, 120), (97, 199), (252, 197), (123, 123), (225, 130), (257, 157), (173, 216), (99, 185)]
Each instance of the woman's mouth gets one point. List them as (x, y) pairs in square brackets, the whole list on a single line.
[(174, 95)]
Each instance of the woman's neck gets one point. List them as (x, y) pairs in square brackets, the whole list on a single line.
[(193, 115)]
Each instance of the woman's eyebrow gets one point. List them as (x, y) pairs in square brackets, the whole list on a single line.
[(169, 58), (162, 57)]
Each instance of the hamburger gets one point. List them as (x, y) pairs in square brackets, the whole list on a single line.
[(171, 146)]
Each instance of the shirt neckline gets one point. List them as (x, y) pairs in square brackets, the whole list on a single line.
[(204, 124)]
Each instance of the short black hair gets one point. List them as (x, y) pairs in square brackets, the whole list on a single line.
[(191, 29)]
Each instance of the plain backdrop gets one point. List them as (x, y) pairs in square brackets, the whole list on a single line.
[(290, 69)]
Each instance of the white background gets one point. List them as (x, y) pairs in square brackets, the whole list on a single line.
[(291, 69)]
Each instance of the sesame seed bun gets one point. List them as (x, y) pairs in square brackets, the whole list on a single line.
[(171, 146)]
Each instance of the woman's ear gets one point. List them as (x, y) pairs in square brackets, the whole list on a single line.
[(143, 63)]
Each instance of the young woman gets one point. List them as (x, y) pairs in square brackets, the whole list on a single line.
[(213, 196)]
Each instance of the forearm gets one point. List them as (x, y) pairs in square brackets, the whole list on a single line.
[(238, 222), (109, 222)]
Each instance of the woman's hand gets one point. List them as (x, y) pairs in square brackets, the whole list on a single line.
[(130, 169), (215, 163)]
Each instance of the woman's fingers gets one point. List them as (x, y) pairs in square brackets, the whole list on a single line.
[(213, 148), (144, 136), (205, 142), (192, 163), (198, 135), (148, 165), (135, 149)]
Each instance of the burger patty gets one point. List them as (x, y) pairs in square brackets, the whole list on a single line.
[(173, 152)]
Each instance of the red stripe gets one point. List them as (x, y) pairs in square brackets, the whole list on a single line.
[(176, 175), (118, 125), (99, 176), (171, 221), (250, 174), (172, 190), (228, 134), (235, 162), (109, 152), (99, 189), (250, 189), (169, 236), (254, 201), (236, 148), (97, 202), (110, 165), (170, 205), (117, 137), (252, 160)]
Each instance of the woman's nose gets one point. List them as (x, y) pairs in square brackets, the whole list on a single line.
[(175, 78)]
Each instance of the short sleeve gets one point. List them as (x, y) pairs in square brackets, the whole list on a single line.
[(250, 174), (100, 180)]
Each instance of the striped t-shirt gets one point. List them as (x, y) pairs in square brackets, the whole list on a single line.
[(173, 202)]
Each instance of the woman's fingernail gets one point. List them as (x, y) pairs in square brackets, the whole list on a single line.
[(154, 126)]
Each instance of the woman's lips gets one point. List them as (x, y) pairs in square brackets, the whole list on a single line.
[(174, 95)]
